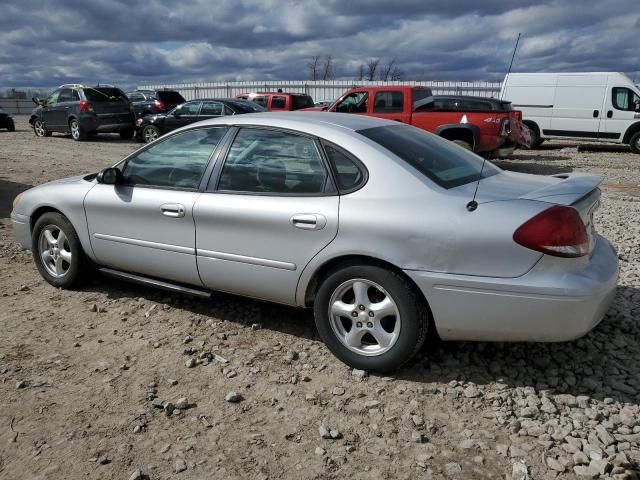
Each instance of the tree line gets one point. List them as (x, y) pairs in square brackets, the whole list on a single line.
[(323, 67)]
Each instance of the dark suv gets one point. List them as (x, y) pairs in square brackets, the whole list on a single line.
[(82, 111), (149, 102)]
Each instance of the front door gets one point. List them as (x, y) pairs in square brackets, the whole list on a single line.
[(182, 115), (268, 212), (621, 110), (48, 111), (145, 223)]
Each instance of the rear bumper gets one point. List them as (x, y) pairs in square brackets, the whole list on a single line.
[(107, 122), (553, 302), (21, 229)]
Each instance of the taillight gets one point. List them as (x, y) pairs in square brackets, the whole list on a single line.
[(557, 231), (85, 106), (160, 105), (505, 128)]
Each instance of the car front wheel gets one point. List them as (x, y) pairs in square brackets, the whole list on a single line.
[(39, 129), (370, 317), (57, 251), (634, 143)]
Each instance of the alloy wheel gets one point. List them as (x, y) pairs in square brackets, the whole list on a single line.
[(364, 317), (38, 127), (150, 134), (75, 130), (55, 251)]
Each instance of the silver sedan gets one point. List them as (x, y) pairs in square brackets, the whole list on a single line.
[(386, 231)]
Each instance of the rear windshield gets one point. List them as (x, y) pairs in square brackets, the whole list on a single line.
[(104, 94), (245, 106), (438, 159), (173, 98), (301, 101)]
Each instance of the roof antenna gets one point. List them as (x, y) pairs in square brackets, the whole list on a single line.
[(473, 205)]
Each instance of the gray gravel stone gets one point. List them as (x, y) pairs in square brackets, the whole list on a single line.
[(233, 397), (179, 466)]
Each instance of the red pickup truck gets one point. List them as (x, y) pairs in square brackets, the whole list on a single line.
[(279, 101), (484, 125)]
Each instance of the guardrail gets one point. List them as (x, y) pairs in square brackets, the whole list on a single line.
[(17, 106), (319, 90)]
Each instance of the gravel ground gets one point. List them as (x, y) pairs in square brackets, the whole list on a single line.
[(125, 382)]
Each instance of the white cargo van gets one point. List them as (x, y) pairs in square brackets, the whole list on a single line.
[(594, 106)]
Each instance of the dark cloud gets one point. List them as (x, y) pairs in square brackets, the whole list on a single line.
[(45, 43)]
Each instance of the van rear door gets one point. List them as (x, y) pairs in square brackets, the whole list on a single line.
[(577, 106)]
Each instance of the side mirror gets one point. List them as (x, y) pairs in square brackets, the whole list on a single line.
[(637, 106), (37, 101), (177, 112), (109, 176)]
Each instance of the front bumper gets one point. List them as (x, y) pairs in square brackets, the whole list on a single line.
[(21, 229), (553, 302)]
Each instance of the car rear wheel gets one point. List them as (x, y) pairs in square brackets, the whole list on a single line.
[(150, 133), (77, 132), (370, 317), (11, 127), (127, 134), (39, 129), (464, 144), (57, 251), (634, 143)]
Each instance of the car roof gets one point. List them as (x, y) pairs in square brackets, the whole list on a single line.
[(304, 121)]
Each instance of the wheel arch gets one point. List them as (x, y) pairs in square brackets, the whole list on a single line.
[(631, 131), (342, 261), (460, 131)]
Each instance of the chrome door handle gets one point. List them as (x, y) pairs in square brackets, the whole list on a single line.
[(309, 221), (174, 210)]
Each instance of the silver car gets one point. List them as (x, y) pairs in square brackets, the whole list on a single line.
[(386, 231)]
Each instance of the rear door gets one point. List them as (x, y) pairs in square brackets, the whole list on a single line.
[(620, 112), (182, 115), (211, 109), (577, 106), (59, 112), (268, 212), (145, 224)]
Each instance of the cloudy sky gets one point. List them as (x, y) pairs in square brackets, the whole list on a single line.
[(45, 43)]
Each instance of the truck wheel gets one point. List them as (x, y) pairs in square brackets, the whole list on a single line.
[(464, 144), (77, 132), (634, 143), (536, 141)]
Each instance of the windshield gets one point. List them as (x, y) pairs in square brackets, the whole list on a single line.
[(245, 106), (104, 94), (438, 159)]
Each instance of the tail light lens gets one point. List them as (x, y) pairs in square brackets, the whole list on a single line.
[(160, 105), (557, 231), (85, 106), (505, 128)]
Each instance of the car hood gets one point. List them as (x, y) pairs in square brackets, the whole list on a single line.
[(561, 189)]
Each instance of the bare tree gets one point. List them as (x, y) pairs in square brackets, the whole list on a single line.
[(385, 70), (314, 65), (371, 68), (360, 72), (396, 74), (328, 69)]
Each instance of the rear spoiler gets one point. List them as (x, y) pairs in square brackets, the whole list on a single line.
[(570, 188)]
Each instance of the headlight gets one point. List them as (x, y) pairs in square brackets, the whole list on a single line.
[(17, 200)]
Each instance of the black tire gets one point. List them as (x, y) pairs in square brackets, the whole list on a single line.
[(127, 134), (78, 133), (413, 313), (39, 129), (536, 141), (11, 127), (634, 142), (150, 133), (464, 144), (74, 269)]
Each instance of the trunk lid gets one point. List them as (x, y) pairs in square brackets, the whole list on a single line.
[(107, 100), (578, 190)]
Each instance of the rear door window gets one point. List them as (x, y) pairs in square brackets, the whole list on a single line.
[(301, 101), (273, 162), (65, 95), (211, 109), (278, 102), (388, 102), (261, 100)]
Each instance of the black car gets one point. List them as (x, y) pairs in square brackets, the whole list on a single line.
[(148, 102), (6, 121), (82, 111), (153, 126)]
